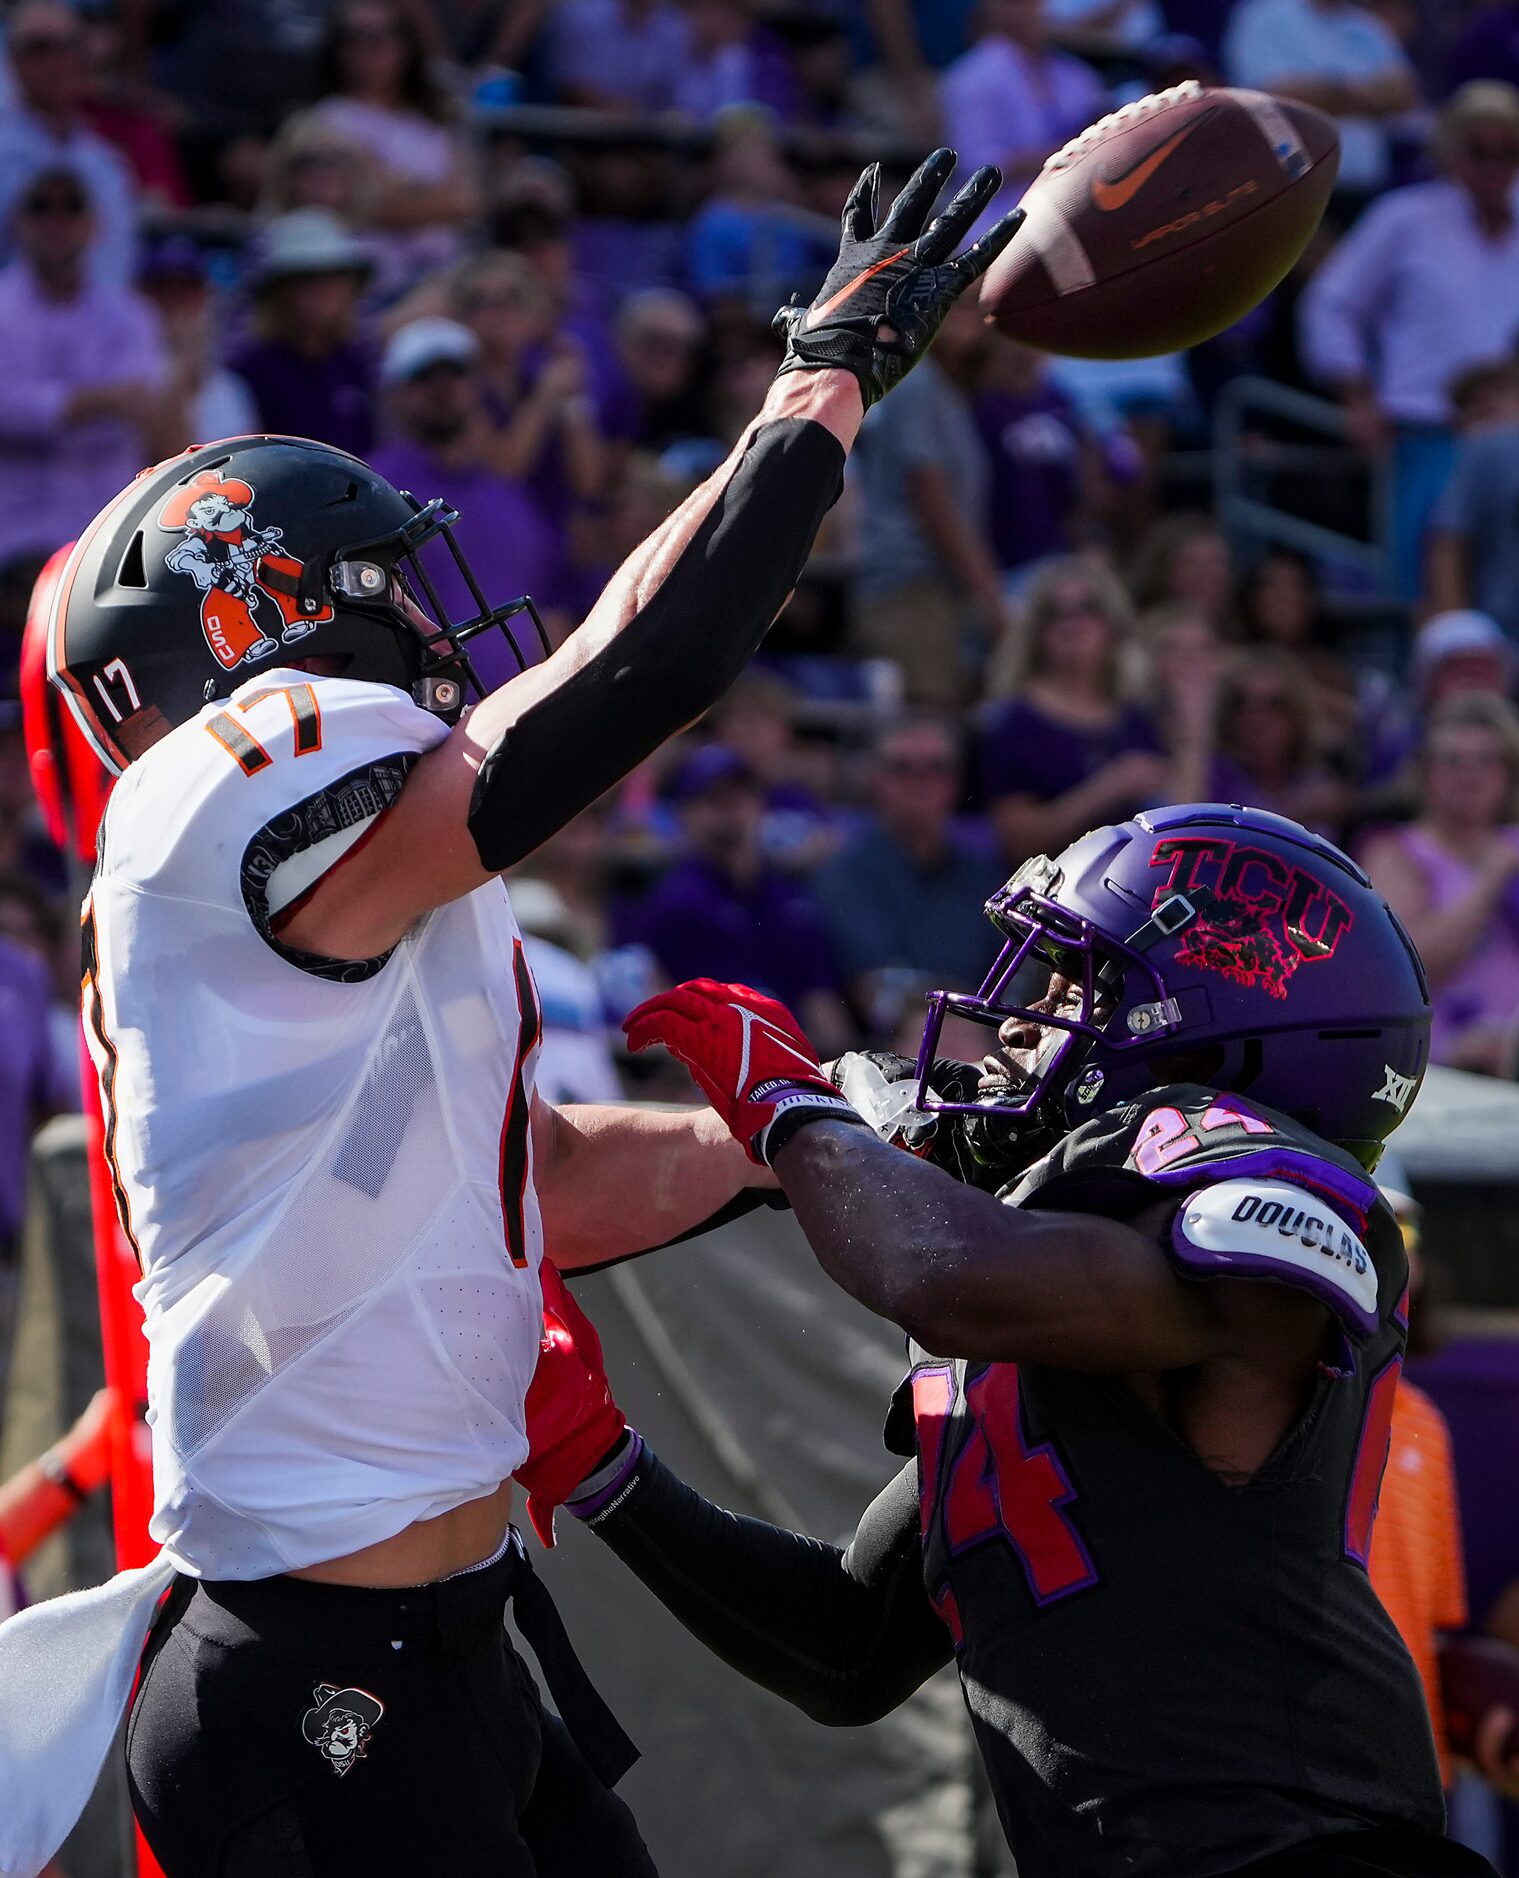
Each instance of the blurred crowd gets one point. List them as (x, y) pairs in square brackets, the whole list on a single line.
[(523, 254)]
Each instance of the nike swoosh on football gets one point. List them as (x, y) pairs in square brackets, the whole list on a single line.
[(1109, 196), (849, 287)]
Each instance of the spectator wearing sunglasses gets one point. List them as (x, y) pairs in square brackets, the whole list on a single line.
[(903, 898), (82, 397), (45, 127), (1267, 752), (1425, 285), (438, 442), (1066, 751)]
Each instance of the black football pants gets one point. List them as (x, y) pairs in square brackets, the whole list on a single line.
[(319, 1731)]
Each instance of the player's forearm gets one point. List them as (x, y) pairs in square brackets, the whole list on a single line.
[(613, 1181), (966, 1276), (673, 629), (843, 1636)]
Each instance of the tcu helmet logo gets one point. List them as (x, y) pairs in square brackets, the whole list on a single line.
[(341, 1724), (1265, 919), (245, 586)]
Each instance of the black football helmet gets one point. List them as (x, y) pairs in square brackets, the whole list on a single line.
[(249, 553)]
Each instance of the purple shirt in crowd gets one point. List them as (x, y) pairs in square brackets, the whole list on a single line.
[(633, 54), (1025, 753), (508, 542), (26, 1073), (768, 933), (331, 399), (55, 475), (1034, 444)]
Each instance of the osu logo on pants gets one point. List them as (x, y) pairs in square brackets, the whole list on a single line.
[(248, 591)]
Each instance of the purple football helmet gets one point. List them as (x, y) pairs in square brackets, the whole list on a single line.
[(1235, 941)]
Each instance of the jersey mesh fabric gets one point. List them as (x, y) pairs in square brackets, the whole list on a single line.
[(339, 1343)]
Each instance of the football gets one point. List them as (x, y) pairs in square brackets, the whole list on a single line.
[(1164, 223), (1478, 1674)]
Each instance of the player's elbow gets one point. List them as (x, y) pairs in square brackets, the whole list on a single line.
[(851, 1702)]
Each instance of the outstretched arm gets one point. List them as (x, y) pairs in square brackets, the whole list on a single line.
[(963, 1274), (843, 1635), (688, 608), (967, 1276), (613, 1180)]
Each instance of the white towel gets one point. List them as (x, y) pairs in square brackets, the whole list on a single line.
[(66, 1671)]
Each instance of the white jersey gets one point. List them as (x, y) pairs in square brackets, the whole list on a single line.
[(325, 1168), (327, 1173)]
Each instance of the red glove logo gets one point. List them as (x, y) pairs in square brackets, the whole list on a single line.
[(746, 1053)]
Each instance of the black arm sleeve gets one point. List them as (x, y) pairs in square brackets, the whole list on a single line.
[(844, 1636), (676, 656)]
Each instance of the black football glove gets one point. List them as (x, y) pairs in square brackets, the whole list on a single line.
[(887, 294), (987, 1151)]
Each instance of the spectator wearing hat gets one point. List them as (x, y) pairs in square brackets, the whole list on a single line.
[(82, 396), (1460, 651), (309, 372), (1334, 55), (903, 898), (173, 279), (374, 87), (45, 128), (1452, 876), (1425, 285), (436, 445), (1474, 537), (723, 911)]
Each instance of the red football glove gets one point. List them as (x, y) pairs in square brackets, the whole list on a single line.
[(746, 1053), (572, 1421)]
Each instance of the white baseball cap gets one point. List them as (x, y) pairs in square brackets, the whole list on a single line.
[(425, 342)]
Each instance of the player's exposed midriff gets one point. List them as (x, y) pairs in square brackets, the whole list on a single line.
[(426, 1550)]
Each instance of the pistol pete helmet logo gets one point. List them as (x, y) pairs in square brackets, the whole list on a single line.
[(1266, 918), (248, 589)]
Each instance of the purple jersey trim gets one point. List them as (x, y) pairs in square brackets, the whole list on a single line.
[(1353, 1194)]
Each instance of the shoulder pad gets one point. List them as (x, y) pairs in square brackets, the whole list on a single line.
[(1274, 1230)]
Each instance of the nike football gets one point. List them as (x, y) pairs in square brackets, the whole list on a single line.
[(1164, 223)]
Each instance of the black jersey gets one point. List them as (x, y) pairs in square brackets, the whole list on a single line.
[(1169, 1674)]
